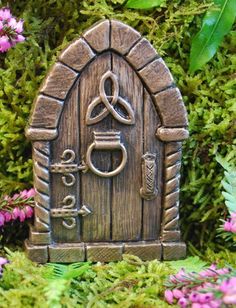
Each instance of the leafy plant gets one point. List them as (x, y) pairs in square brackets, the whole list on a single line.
[(216, 24), (144, 4), (228, 183)]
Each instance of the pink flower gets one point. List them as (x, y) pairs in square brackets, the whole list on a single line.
[(169, 296), (5, 14), (2, 219), (31, 193), (205, 297), (3, 261), (22, 215), (7, 216), (16, 25), (29, 211), (4, 43), (194, 297), (228, 225), (177, 293), (183, 302), (1, 25), (16, 213)]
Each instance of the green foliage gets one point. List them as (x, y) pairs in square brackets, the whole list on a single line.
[(216, 24), (144, 4), (191, 264), (128, 283), (209, 95), (229, 184)]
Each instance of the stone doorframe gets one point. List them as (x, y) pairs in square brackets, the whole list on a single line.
[(43, 127)]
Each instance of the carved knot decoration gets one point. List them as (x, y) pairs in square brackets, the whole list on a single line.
[(109, 103)]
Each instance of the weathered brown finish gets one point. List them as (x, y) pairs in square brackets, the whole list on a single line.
[(152, 208), (95, 227), (127, 208), (151, 75), (145, 250), (104, 252), (107, 128), (77, 55), (66, 253), (59, 81), (135, 56), (171, 108), (98, 36), (174, 251), (123, 37)]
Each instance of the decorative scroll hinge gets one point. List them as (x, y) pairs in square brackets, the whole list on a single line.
[(149, 172), (68, 168), (64, 213)]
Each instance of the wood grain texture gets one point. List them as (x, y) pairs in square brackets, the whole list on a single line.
[(95, 190), (136, 54), (67, 140), (123, 37), (156, 75), (152, 208), (58, 81), (171, 108), (77, 55), (98, 36), (126, 201)]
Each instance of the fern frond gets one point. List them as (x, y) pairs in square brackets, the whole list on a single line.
[(228, 183), (62, 271)]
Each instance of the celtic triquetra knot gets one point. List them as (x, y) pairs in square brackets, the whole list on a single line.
[(109, 103)]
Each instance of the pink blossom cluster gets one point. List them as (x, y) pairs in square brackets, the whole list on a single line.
[(230, 224), (10, 30), (3, 261), (20, 206), (211, 288)]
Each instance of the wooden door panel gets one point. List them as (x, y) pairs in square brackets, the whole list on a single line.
[(126, 200), (67, 139), (95, 190), (152, 208)]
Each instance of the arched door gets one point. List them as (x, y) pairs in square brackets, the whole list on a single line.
[(109, 123)]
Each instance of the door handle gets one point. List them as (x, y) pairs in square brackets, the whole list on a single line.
[(106, 141)]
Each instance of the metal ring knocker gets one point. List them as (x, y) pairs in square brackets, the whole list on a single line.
[(106, 141)]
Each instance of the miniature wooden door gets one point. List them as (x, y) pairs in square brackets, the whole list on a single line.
[(106, 129)]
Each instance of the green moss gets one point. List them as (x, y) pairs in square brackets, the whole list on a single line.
[(209, 95)]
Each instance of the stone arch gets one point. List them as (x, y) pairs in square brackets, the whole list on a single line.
[(124, 40), (48, 106)]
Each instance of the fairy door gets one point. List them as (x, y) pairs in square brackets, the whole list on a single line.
[(107, 130)]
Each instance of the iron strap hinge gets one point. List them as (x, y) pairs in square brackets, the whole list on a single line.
[(63, 213), (68, 168)]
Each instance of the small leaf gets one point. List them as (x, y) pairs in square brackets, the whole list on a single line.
[(216, 24), (144, 4)]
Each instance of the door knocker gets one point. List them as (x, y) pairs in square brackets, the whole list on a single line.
[(106, 141)]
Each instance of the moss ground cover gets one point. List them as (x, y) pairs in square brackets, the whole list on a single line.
[(209, 94)]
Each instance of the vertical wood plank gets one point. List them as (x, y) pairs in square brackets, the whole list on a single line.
[(152, 208), (68, 138), (126, 200), (95, 190)]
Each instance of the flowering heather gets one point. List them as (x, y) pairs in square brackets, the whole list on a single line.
[(10, 30), (230, 224), (20, 206), (211, 288), (3, 261)]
